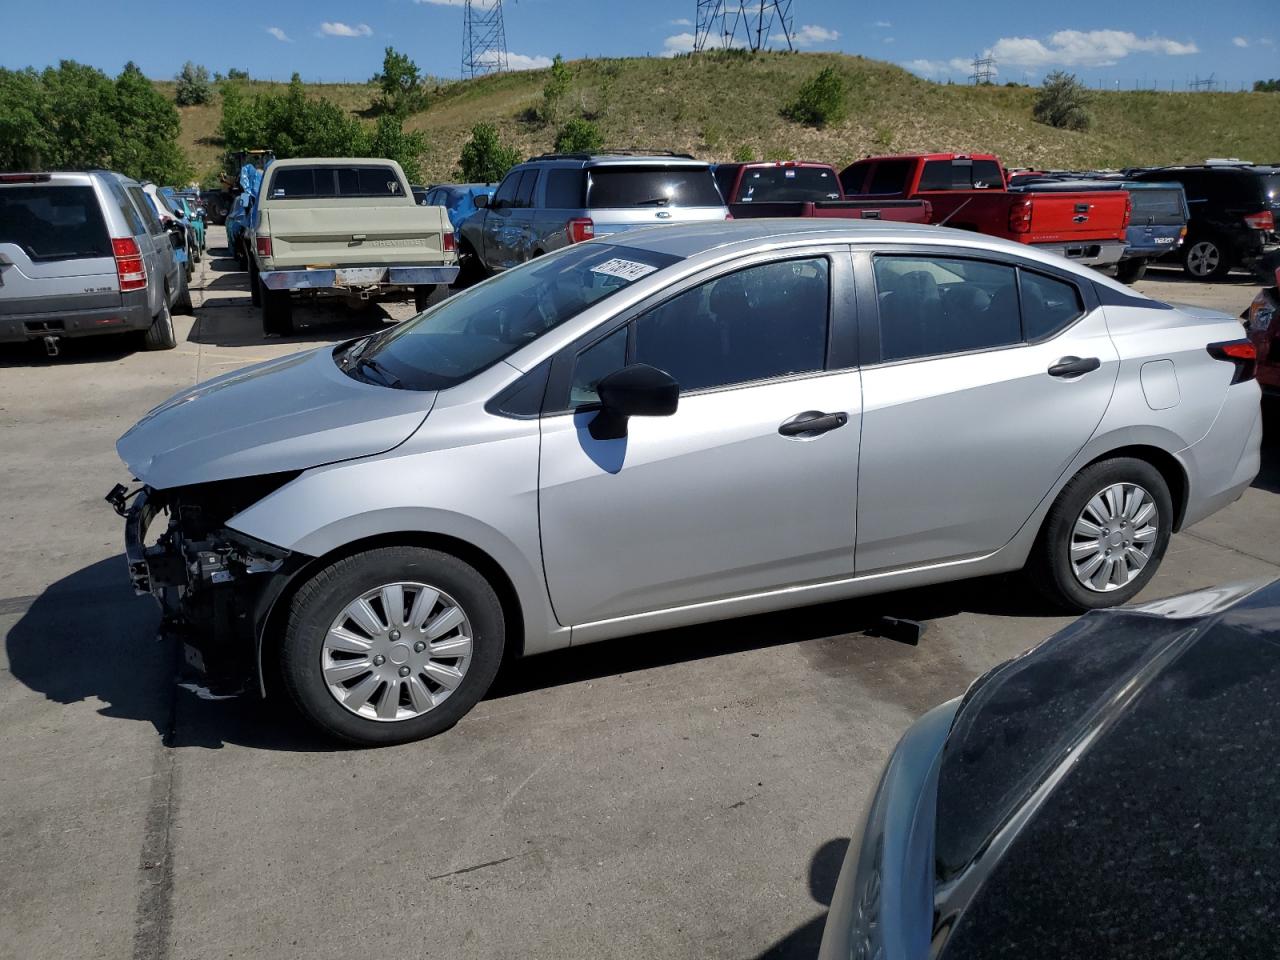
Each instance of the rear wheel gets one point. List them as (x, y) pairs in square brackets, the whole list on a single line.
[(183, 301), (422, 296), (1131, 271), (1105, 535), (277, 310), (470, 270), (161, 335), (255, 294), (1206, 259), (391, 645)]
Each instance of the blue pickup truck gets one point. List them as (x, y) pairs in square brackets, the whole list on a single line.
[(1157, 223)]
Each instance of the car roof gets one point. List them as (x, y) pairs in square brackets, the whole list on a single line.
[(582, 161)]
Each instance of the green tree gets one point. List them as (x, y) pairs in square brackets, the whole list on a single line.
[(193, 86), (390, 140), (819, 101), (555, 90), (1062, 102), (403, 91), (236, 74), (81, 116), (1266, 86), (148, 128), (25, 141), (579, 135), (484, 158)]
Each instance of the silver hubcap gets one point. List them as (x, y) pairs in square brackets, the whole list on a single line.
[(396, 651), (1113, 537), (1203, 258)]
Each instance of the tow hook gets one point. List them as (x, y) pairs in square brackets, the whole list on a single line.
[(51, 346)]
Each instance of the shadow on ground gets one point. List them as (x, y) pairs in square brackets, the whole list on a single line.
[(331, 322), (104, 348), (824, 870)]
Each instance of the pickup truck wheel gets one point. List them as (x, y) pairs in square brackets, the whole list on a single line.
[(391, 645), (255, 293), (422, 295), (1131, 271), (1206, 259), (160, 335), (277, 311)]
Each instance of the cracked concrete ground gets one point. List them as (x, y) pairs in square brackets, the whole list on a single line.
[(685, 794)]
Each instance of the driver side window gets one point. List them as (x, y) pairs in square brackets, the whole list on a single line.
[(507, 191)]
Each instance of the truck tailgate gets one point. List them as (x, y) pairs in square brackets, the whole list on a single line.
[(329, 233), (1058, 217), (902, 211)]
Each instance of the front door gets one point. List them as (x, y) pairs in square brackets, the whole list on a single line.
[(726, 497), (499, 222), (965, 429)]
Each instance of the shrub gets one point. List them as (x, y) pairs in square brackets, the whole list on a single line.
[(236, 74), (484, 158), (1061, 102), (193, 86), (555, 90), (820, 100), (579, 136), (403, 88), (744, 154)]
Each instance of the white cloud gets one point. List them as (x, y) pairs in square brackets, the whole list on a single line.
[(883, 24), (810, 33), (520, 61), (339, 29), (1266, 41), (937, 68), (1240, 41), (682, 43), (1092, 48), (681, 22), (887, 40), (279, 34)]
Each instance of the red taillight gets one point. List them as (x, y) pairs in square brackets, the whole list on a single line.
[(580, 228), (1261, 221), (449, 244), (1128, 211), (1242, 353), (263, 246), (130, 270), (1020, 216)]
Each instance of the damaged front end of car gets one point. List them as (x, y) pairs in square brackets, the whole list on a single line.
[(215, 586)]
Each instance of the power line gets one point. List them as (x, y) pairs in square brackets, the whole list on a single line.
[(484, 40), (984, 69), (743, 23)]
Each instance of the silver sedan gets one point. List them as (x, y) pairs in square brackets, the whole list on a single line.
[(668, 427)]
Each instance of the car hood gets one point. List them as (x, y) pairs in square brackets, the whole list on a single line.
[(291, 413)]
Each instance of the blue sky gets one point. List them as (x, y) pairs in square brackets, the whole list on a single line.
[(1108, 43)]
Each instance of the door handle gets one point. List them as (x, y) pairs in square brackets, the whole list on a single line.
[(1074, 366), (812, 423)]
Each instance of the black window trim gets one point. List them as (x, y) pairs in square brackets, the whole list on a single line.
[(869, 318), (842, 324)]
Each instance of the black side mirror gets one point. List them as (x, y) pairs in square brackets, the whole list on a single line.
[(482, 202), (635, 391), (177, 239)]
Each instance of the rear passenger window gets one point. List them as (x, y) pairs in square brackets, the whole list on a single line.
[(564, 189), (126, 208), (524, 192), (889, 176), (1048, 305), (755, 324), (145, 209), (937, 305)]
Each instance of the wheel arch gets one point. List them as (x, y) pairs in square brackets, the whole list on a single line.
[(1173, 472), (273, 604)]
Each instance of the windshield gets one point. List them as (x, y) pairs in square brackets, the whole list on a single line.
[(771, 184), (615, 187), (463, 335)]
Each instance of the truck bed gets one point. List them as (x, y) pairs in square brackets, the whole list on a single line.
[(900, 211)]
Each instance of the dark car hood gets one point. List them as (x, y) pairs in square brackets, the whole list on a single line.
[(291, 413), (1116, 787)]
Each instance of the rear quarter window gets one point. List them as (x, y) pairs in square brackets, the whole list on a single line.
[(564, 190), (51, 223), (619, 187)]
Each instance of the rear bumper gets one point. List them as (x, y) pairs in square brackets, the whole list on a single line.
[(332, 280), (1091, 253), (132, 314)]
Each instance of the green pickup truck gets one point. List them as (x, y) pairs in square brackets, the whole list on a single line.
[(346, 227)]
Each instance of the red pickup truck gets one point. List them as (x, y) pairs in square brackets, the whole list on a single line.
[(791, 188), (971, 191)]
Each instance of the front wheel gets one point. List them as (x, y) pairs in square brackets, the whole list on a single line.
[(255, 294), (392, 645), (1105, 535), (1131, 271), (1206, 259)]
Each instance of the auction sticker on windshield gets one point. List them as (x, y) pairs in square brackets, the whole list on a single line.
[(628, 270)]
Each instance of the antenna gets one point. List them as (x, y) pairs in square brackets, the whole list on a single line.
[(984, 69), (743, 23), (484, 40)]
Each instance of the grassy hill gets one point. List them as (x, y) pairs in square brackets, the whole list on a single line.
[(715, 105)]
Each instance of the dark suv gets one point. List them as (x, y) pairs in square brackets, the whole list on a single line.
[(554, 200), (1233, 215)]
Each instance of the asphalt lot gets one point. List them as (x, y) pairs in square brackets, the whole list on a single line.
[(685, 794)]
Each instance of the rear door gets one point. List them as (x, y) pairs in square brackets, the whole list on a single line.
[(964, 429), (55, 250)]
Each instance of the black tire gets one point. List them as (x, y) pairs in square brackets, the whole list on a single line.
[(422, 296), (322, 598), (1206, 258), (470, 270), (241, 260), (1050, 563), (1131, 271), (255, 294), (161, 335), (183, 302), (277, 310)]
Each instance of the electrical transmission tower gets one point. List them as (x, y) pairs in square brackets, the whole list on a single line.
[(1208, 84), (743, 23), (984, 69), (484, 41)]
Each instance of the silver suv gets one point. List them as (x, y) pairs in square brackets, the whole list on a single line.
[(83, 254), (671, 427), (558, 199)]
